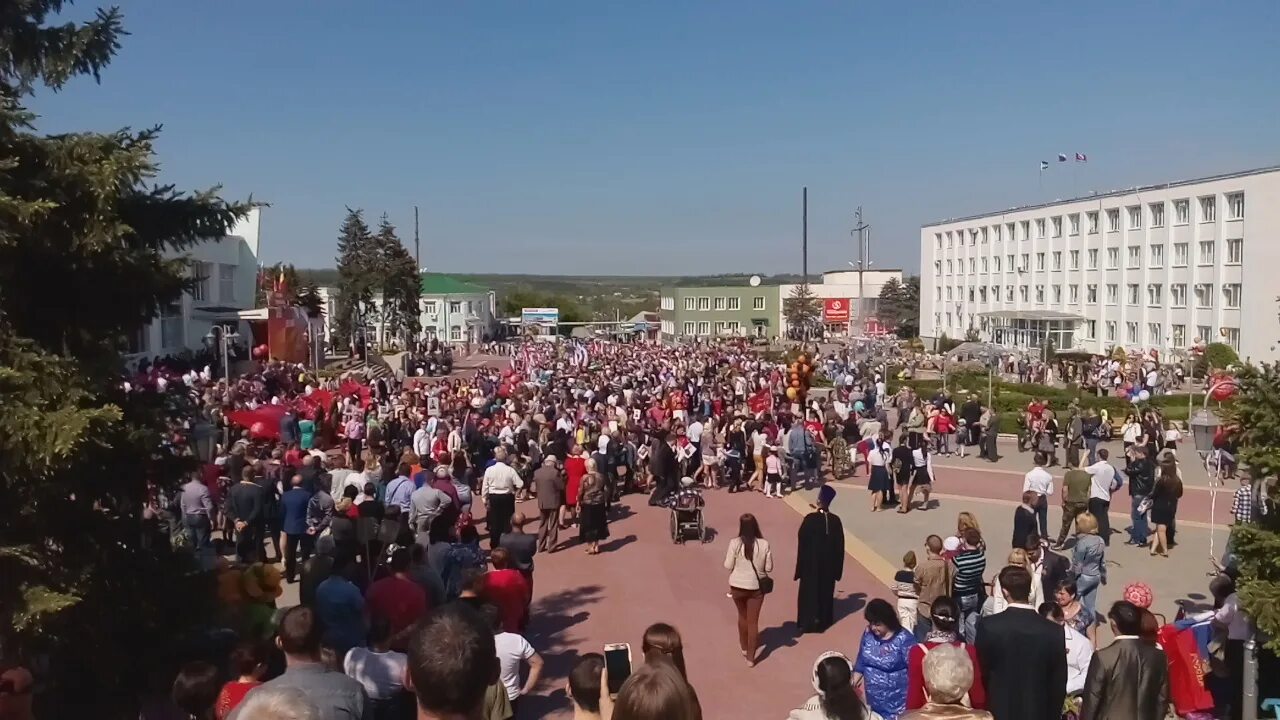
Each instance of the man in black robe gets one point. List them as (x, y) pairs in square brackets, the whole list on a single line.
[(819, 564), (665, 468)]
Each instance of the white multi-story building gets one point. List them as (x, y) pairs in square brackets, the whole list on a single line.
[(1146, 268), (226, 280), (451, 310)]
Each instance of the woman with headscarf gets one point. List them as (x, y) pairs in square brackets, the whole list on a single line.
[(837, 698), (819, 564)]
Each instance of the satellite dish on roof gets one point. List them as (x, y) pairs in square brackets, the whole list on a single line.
[(755, 281)]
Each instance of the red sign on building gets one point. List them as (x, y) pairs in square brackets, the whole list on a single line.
[(835, 310)]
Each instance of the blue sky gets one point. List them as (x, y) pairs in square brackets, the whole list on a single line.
[(606, 137)]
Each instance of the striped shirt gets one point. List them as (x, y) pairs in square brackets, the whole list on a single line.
[(970, 565)]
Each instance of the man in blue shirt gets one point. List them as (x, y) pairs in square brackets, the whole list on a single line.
[(400, 489), (293, 522), (340, 607)]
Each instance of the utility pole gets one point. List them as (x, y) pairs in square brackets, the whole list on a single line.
[(862, 232), (417, 247), (804, 235)]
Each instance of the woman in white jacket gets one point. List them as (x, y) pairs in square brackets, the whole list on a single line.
[(749, 562), (837, 699)]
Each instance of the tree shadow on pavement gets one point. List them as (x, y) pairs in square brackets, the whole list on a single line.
[(552, 617)]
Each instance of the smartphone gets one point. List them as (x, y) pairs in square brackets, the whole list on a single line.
[(617, 660)]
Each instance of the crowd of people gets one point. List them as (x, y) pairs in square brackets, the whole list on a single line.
[(399, 508)]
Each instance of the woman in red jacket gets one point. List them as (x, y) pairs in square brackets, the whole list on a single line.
[(945, 616)]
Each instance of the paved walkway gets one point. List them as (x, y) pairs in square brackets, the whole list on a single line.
[(583, 602)]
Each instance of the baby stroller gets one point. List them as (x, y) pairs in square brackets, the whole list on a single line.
[(686, 513)]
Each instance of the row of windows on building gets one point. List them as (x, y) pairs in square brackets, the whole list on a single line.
[(707, 303), (202, 274), (1206, 254), (1155, 336), (720, 327), (431, 307), (1203, 293), (1153, 217)]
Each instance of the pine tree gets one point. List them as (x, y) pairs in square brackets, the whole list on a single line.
[(803, 311), (900, 306), (90, 250), (1255, 412), (399, 284), (357, 263)]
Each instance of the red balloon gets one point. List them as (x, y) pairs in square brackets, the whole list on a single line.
[(260, 352), (1223, 390)]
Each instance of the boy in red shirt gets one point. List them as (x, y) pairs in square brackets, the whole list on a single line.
[(397, 599)]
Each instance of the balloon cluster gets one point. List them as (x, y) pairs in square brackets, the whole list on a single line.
[(799, 375)]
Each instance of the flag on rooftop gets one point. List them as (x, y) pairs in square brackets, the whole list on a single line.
[(1044, 164), (1062, 157), (1081, 157)]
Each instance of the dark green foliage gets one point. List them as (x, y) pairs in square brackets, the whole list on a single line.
[(397, 276), (947, 344), (90, 249), (357, 260), (1256, 412), (803, 309), (900, 306), (1216, 356)]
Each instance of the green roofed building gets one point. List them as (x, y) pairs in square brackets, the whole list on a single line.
[(453, 310), (456, 310)]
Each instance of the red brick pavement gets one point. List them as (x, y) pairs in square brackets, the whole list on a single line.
[(641, 577)]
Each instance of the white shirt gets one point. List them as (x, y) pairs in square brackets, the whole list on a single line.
[(356, 479), (1233, 619), (564, 423), (1038, 480), (381, 674), (603, 443), (500, 479), (422, 442), (694, 432), (512, 650), (1079, 654), (1103, 474), (879, 451)]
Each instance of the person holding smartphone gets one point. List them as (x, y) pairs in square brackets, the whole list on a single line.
[(749, 562)]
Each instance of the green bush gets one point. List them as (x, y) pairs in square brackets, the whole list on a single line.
[(1011, 398), (1217, 356)]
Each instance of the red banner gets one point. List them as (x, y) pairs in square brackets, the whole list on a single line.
[(835, 310)]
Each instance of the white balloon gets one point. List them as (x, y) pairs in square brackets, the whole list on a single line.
[(1145, 395)]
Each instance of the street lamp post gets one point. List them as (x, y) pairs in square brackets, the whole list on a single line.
[(1204, 425)]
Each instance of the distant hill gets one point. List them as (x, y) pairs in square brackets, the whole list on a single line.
[(578, 284), (598, 296)]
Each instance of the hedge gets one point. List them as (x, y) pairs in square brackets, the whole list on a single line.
[(1012, 398)]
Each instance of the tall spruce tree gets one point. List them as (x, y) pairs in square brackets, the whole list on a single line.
[(803, 311), (90, 250), (357, 268), (399, 283), (1255, 412)]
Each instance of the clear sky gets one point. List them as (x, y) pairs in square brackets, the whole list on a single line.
[(673, 137)]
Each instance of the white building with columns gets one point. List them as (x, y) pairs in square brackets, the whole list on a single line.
[(1152, 267)]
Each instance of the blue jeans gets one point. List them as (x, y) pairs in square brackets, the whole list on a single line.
[(1092, 444), (198, 530), (970, 611), (1087, 587), (1139, 529)]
